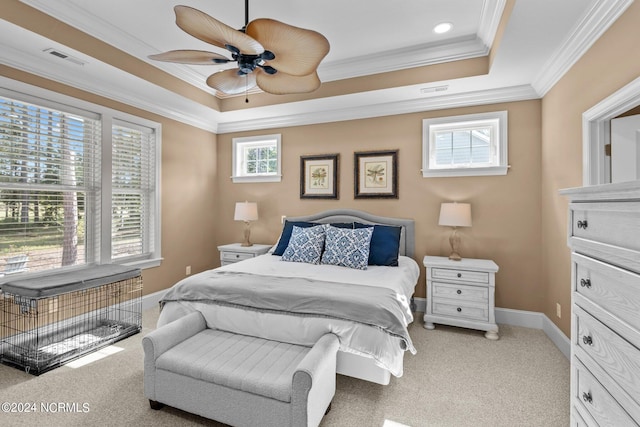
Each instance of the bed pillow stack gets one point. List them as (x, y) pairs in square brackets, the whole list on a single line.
[(342, 244)]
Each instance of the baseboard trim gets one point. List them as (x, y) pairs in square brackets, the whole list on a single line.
[(152, 300), (527, 319)]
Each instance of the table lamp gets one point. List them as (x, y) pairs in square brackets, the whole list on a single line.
[(247, 212), (455, 215)]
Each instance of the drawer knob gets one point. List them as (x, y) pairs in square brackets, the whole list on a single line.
[(587, 397), (459, 274), (587, 340), (585, 283), (458, 291), (237, 256), (459, 309), (583, 224)]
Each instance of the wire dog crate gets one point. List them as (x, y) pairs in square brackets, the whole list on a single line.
[(48, 321)]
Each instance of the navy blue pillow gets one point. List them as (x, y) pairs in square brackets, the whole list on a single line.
[(385, 244), (288, 228)]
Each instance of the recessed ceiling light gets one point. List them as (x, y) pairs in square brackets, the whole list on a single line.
[(443, 27)]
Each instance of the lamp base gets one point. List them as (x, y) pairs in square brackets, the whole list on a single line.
[(247, 233), (454, 256), (454, 241)]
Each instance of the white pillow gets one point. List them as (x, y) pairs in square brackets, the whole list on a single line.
[(347, 247), (305, 245)]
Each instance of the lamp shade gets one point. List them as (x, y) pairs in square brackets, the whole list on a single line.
[(246, 211), (455, 214)]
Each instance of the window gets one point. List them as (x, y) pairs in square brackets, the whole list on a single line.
[(474, 144), (257, 159), (77, 187)]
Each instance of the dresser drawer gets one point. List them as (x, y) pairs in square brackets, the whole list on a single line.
[(463, 275), (461, 310), (234, 256), (614, 289), (612, 223), (616, 356), (459, 292), (603, 407)]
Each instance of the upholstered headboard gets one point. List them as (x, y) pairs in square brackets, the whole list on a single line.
[(407, 236)]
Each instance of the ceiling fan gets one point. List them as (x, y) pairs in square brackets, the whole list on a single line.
[(277, 57)]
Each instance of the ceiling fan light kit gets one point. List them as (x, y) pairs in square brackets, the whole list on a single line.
[(276, 57)]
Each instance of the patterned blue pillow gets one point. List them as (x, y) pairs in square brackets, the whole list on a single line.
[(348, 248), (305, 245)]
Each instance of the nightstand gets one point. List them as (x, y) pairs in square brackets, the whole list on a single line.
[(461, 293), (235, 252)]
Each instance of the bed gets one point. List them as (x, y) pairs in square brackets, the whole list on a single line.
[(298, 302)]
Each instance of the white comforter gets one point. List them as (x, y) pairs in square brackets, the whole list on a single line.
[(386, 350)]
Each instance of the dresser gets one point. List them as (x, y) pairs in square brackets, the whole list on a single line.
[(604, 237), (461, 293), (235, 252)]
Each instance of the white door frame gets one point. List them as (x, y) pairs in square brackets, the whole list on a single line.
[(596, 131)]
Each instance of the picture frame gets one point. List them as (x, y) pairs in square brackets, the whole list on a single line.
[(376, 174), (319, 176)]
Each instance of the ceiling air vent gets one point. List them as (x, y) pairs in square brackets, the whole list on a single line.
[(62, 55)]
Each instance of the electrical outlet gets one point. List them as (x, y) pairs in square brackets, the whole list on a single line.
[(558, 310), (188, 270)]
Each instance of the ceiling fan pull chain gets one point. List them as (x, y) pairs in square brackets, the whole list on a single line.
[(246, 88)]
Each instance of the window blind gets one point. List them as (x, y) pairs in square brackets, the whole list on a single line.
[(49, 172), (133, 190)]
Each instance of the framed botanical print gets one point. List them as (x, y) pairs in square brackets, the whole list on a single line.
[(319, 176), (376, 174)]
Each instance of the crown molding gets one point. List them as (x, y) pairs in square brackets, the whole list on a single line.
[(594, 23), (121, 87), (490, 18), (400, 59), (482, 97)]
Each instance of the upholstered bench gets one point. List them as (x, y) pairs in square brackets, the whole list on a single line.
[(238, 379)]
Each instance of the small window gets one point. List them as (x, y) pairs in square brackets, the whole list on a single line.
[(468, 145), (257, 159)]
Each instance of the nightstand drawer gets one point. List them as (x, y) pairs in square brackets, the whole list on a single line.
[(460, 292), (234, 256), (463, 275), (465, 310)]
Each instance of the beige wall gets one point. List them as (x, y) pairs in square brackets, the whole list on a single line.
[(610, 64), (188, 187), (505, 209)]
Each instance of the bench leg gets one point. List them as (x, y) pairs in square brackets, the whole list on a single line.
[(328, 409), (155, 405)]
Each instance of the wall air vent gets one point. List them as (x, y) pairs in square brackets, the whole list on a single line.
[(434, 89), (62, 55)]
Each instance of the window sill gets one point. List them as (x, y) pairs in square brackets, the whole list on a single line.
[(258, 178), (438, 173)]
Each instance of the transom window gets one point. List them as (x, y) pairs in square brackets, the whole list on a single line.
[(256, 158), (465, 145), (77, 187)]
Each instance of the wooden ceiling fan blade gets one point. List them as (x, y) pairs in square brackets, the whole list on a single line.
[(196, 57), (298, 51), (282, 83), (208, 29), (230, 82)]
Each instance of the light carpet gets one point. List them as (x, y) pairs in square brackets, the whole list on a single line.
[(458, 378)]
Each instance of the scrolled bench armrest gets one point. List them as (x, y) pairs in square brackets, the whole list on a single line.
[(314, 361), (172, 334)]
